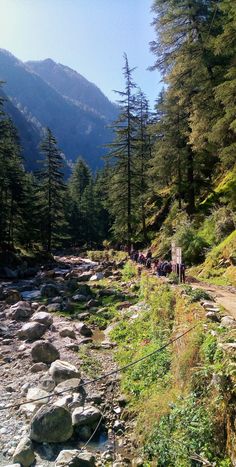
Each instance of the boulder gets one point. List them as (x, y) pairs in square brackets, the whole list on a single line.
[(41, 308), (45, 352), (31, 331), (49, 290), (12, 296), (85, 415), (79, 298), (83, 289), (97, 277), (213, 316), (20, 311), (47, 383), (72, 384), (228, 322), (42, 317), (67, 332), (75, 458), (72, 284), (83, 329), (52, 307), (24, 453), (37, 367), (84, 277), (61, 371), (35, 393), (51, 425)]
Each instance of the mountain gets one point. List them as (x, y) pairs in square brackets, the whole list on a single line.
[(81, 128), (30, 135), (74, 87)]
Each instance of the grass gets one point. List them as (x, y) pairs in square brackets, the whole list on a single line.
[(177, 412), (89, 363), (107, 255), (217, 268)]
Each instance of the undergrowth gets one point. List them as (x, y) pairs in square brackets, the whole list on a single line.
[(178, 412)]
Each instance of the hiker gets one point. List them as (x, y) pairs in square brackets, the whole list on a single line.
[(149, 254)]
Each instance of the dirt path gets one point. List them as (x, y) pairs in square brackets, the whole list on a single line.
[(222, 295)]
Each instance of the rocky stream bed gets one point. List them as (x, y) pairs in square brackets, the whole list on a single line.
[(48, 352)]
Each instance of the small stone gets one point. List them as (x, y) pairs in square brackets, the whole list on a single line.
[(37, 367), (67, 332)]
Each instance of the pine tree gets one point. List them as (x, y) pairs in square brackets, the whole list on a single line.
[(51, 190), (79, 181), (224, 130), (190, 69), (142, 159), (122, 182)]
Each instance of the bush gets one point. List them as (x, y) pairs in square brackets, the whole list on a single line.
[(193, 245)]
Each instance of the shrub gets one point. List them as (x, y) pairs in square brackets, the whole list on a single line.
[(193, 245)]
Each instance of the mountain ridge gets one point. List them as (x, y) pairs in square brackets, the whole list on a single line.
[(80, 129)]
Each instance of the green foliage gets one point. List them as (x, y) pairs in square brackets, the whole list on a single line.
[(129, 271), (192, 244), (196, 295), (185, 431), (214, 266), (209, 348)]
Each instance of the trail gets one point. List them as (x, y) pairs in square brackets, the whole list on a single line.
[(224, 296)]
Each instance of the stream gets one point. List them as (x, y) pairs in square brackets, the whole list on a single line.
[(112, 442)]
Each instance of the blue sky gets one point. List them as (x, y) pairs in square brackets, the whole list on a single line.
[(90, 36)]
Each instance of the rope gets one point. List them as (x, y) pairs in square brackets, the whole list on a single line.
[(111, 373)]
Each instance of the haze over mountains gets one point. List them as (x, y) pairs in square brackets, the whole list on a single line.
[(47, 94)]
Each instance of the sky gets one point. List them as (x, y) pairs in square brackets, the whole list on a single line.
[(89, 36)]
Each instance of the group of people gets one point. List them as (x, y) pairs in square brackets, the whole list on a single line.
[(160, 267), (141, 258)]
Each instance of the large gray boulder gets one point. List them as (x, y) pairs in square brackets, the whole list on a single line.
[(45, 352), (20, 311), (31, 331), (75, 458), (61, 371), (42, 317), (51, 425), (49, 291), (85, 415), (24, 453)]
